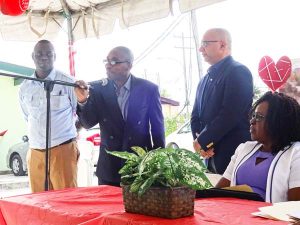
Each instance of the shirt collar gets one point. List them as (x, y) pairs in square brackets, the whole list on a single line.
[(51, 75), (127, 84), (214, 68)]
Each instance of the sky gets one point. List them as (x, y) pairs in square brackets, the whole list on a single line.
[(258, 28)]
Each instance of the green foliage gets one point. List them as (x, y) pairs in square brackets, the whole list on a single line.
[(164, 93), (162, 167), (171, 124), (257, 93)]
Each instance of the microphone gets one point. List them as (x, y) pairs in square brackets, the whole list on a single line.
[(103, 82)]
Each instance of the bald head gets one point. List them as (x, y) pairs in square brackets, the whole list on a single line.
[(43, 57), (44, 42), (119, 71), (222, 35), (216, 45), (125, 52)]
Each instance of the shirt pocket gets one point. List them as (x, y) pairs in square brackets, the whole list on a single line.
[(59, 101)]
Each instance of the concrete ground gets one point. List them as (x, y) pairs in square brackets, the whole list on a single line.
[(11, 185)]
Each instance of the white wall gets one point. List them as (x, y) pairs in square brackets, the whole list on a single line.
[(10, 118)]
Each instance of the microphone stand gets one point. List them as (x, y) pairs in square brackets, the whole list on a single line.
[(48, 86)]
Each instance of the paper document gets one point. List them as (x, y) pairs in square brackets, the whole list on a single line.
[(261, 214), (295, 214), (280, 210)]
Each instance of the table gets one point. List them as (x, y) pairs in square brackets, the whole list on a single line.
[(103, 205)]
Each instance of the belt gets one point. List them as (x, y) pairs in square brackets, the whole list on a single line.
[(64, 143)]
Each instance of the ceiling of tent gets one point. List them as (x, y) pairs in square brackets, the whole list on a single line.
[(87, 18)]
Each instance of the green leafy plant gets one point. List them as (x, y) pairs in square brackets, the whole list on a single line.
[(162, 167)]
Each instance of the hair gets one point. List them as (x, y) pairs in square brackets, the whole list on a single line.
[(282, 119)]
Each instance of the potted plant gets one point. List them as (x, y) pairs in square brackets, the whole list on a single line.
[(161, 182)]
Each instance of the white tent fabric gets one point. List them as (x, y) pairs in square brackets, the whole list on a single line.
[(86, 18)]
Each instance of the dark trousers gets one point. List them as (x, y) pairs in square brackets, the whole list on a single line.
[(104, 182), (211, 165)]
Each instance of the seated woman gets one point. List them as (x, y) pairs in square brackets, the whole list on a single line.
[(270, 164)]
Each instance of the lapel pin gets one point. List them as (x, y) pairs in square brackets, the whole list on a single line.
[(104, 81)]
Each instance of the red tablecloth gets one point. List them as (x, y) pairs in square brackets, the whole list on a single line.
[(103, 205)]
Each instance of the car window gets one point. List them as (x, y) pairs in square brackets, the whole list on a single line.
[(96, 127)]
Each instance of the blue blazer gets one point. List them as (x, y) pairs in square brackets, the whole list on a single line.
[(221, 111), (143, 127)]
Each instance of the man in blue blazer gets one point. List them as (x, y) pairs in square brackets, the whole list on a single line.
[(219, 118), (128, 110)]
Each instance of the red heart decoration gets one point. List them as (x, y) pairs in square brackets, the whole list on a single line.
[(14, 7), (274, 75), (3, 132)]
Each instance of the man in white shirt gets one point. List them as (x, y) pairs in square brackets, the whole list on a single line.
[(63, 150)]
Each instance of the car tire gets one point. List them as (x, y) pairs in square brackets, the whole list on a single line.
[(16, 165), (172, 145)]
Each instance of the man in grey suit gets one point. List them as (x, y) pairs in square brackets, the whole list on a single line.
[(220, 119), (128, 110)]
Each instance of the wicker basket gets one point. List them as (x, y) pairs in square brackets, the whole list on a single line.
[(161, 202)]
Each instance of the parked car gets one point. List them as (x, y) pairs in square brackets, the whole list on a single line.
[(16, 156), (92, 135), (181, 138)]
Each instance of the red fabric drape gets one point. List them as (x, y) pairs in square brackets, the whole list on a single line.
[(103, 205)]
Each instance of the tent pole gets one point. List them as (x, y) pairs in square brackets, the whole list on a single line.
[(70, 37), (196, 39)]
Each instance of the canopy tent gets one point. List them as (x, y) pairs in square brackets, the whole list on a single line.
[(86, 18)]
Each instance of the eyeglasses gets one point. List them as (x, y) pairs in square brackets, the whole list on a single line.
[(204, 44), (257, 117), (113, 62)]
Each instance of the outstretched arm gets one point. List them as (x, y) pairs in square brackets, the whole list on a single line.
[(86, 108)]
